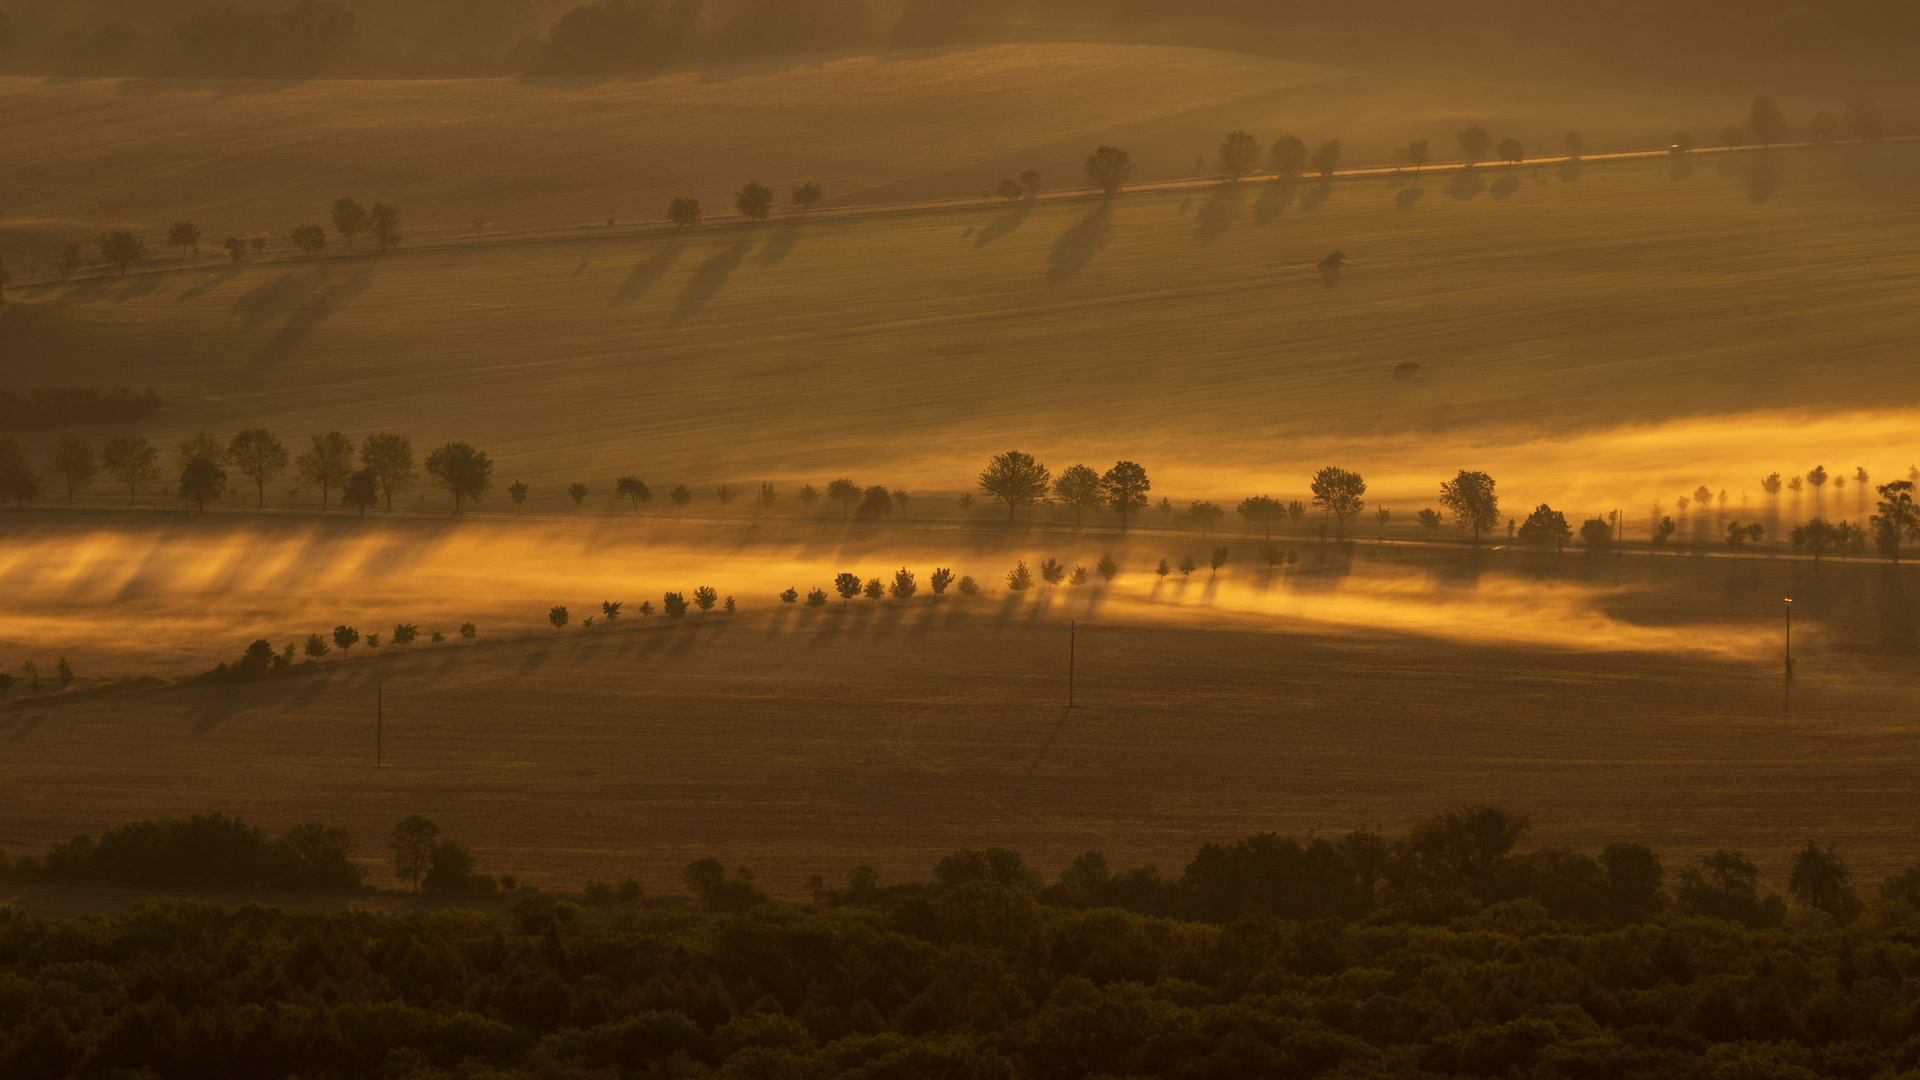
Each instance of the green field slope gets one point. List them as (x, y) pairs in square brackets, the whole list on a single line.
[(1190, 330)]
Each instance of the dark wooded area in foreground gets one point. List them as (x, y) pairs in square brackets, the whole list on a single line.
[(1441, 954)]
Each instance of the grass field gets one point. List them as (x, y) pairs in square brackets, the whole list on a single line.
[(1596, 337), (800, 744)]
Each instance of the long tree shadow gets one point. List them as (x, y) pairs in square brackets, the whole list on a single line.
[(213, 282), (706, 282), (1275, 197), (1078, 245), (646, 274), (271, 299), (1505, 186), (786, 237), (1465, 185), (1315, 195), (1217, 214), (1569, 170), (1404, 199), (1003, 224), (314, 310)]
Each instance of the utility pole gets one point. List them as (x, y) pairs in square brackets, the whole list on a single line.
[(1786, 693), (379, 723), (1072, 633)]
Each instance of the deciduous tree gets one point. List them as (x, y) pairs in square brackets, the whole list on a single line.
[(1077, 486), (1020, 579), (517, 491), (681, 495), (846, 493), (1765, 121), (390, 457), (202, 480), (462, 472), (903, 586), (1204, 515), (1546, 527), (383, 224), (1288, 156), (1014, 478), (308, 238), (1474, 142), (805, 195), (941, 578), (1107, 568), (576, 491), (1217, 558), (1416, 154), (1262, 511), (1430, 521), (72, 461), (1898, 518), (1239, 154), (705, 597), (118, 248), (345, 636), (1326, 157), (1470, 497), (684, 213), (328, 462), (1109, 167), (876, 502), (847, 585), (634, 490), (557, 615), (349, 218), (1337, 491), (1126, 486), (184, 235), (412, 843), (362, 490), (755, 201), (1511, 151), (257, 453)]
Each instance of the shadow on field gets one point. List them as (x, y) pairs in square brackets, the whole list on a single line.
[(134, 288), (707, 282), (1004, 224), (1404, 199), (1465, 185), (1274, 198), (1078, 245), (1217, 214), (1570, 170), (1505, 186), (212, 283), (1315, 195), (315, 309), (1681, 168), (646, 273), (271, 299), (786, 237)]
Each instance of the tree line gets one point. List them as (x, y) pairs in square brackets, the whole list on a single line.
[(124, 248), (1446, 952)]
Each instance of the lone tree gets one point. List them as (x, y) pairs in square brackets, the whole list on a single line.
[(349, 218), (72, 461), (575, 491), (1511, 151), (1262, 511), (1765, 121), (846, 493), (1288, 157), (184, 235), (390, 458), (1014, 478), (119, 248), (1416, 154), (1239, 154), (259, 457), (465, 473), (1337, 491), (684, 212), (361, 490), (633, 489), (1109, 167), (1474, 143), (383, 224), (308, 238), (755, 200), (1326, 157), (805, 195), (1079, 487), (1470, 497), (1546, 527), (1126, 487)]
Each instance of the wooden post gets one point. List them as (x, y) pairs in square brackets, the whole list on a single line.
[(1072, 632), (379, 723)]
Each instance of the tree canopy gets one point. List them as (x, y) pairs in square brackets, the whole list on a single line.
[(1109, 167), (463, 472), (1015, 478), (1337, 491), (1470, 497)]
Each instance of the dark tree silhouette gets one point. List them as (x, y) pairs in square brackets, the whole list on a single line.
[(674, 605), (876, 502), (202, 481), (755, 201), (463, 472), (349, 218), (1765, 121), (362, 490), (705, 597), (1078, 486), (383, 224), (903, 586), (684, 212), (1014, 478), (309, 238), (1326, 157), (1239, 154), (874, 590), (816, 597), (1596, 533), (847, 585), (634, 490), (184, 235), (119, 248), (1739, 535), (1126, 486), (1109, 167), (1663, 530), (1217, 558), (517, 491), (1546, 527), (1107, 568), (1262, 511), (344, 637), (1511, 151), (259, 457), (1288, 156), (846, 493), (18, 481), (390, 457), (940, 579), (1474, 142), (1416, 154), (1820, 880), (681, 495), (790, 596), (1020, 579), (577, 492), (1030, 179), (611, 609), (1052, 572), (1430, 521), (1470, 497), (1205, 515), (1815, 537), (71, 459), (805, 195), (1898, 519), (327, 463), (558, 617), (1337, 491), (1012, 190)]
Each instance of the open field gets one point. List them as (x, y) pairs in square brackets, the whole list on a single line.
[(1597, 337), (796, 742)]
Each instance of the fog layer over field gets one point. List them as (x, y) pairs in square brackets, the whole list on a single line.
[(158, 598)]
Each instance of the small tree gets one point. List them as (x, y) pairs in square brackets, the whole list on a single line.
[(1739, 535), (463, 472), (1109, 167), (578, 493), (1416, 154), (805, 195), (411, 843), (1596, 533), (940, 579), (903, 586), (1471, 499), (1288, 156), (345, 636), (767, 496), (404, 633), (816, 598), (118, 248), (1663, 531), (362, 490), (1011, 190), (202, 481), (557, 615), (1205, 515), (383, 224), (1818, 478), (900, 500), (755, 201), (1429, 520), (791, 595), (874, 590), (390, 457), (847, 585), (967, 586), (1187, 566), (1107, 568), (1014, 478), (876, 502), (846, 493), (1020, 579), (184, 235), (1770, 483), (259, 456), (634, 490), (1164, 568), (1217, 558), (468, 631), (705, 597), (1766, 121), (1511, 151), (328, 463), (1898, 518), (611, 609), (317, 646), (1239, 154), (72, 461), (684, 213), (1326, 157), (1474, 143), (1052, 572), (308, 238), (1262, 511), (349, 218), (674, 605), (1546, 527), (965, 503), (1381, 517), (1126, 486), (1079, 487), (681, 495), (1337, 491)]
